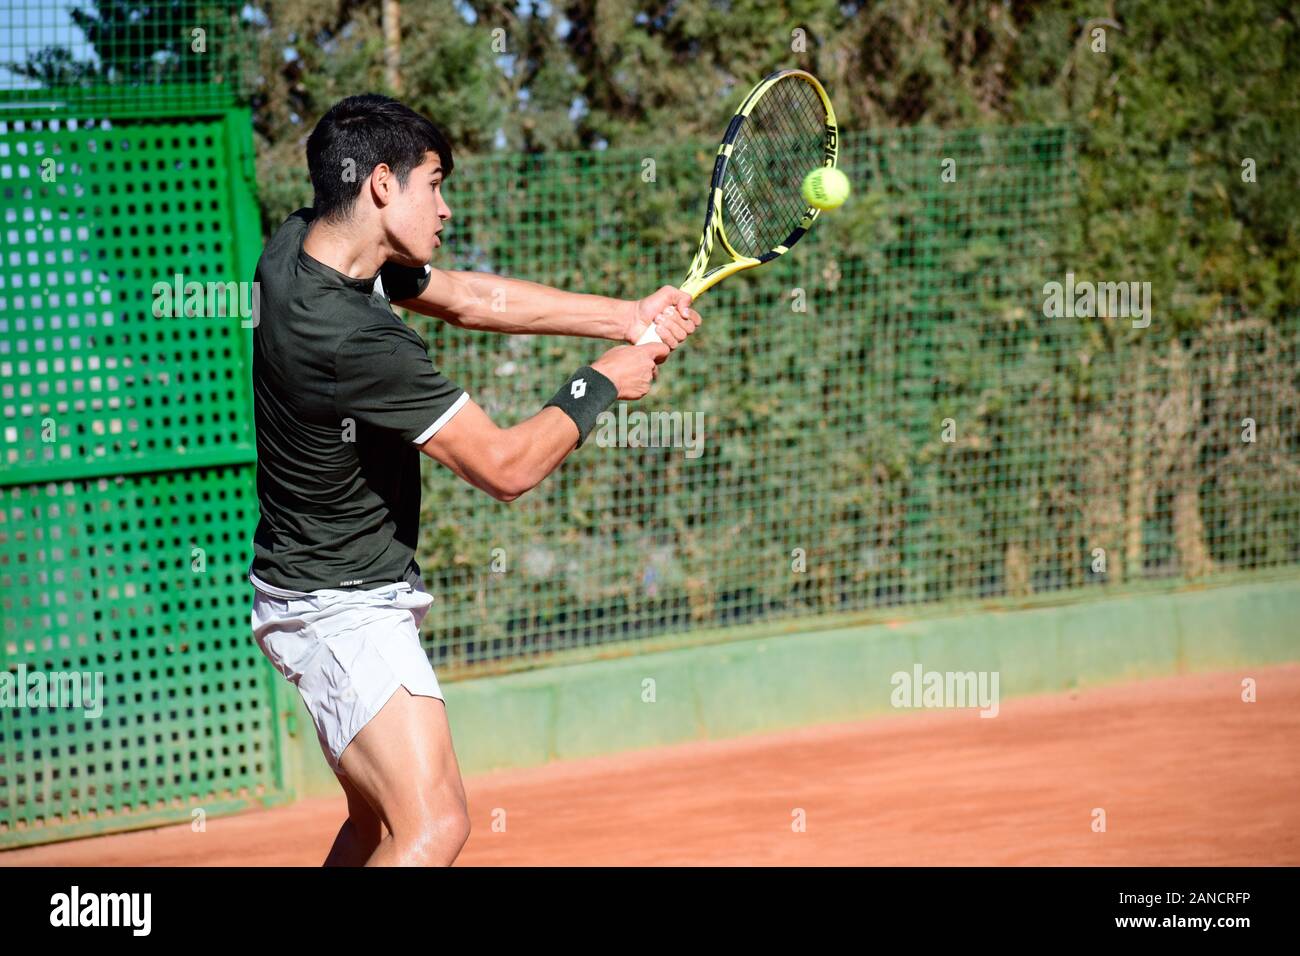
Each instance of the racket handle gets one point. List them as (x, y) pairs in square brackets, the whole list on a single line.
[(693, 287), (649, 335)]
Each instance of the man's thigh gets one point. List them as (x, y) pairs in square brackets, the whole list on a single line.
[(404, 763), (348, 654)]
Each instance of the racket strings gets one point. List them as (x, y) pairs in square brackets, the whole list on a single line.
[(780, 142)]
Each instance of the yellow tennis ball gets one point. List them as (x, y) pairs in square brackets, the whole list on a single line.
[(825, 188)]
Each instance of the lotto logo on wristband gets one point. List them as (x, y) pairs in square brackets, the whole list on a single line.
[(585, 395)]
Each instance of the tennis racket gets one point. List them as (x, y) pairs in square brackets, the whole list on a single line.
[(783, 131)]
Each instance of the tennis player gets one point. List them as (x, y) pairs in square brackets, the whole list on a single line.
[(346, 398)]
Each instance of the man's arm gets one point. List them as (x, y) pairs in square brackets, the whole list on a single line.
[(490, 303), (506, 462)]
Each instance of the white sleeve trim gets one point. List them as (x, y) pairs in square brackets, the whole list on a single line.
[(443, 419)]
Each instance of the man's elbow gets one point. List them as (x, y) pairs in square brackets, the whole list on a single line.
[(503, 494), (509, 483)]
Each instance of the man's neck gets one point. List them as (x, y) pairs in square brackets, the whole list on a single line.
[(342, 249)]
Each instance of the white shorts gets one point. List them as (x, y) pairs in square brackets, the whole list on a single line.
[(347, 652)]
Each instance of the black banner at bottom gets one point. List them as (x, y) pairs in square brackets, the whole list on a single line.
[(615, 907)]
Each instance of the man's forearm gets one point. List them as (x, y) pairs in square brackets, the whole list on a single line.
[(490, 303), (533, 449)]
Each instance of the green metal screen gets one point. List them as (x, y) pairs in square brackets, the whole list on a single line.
[(126, 444), (127, 477)]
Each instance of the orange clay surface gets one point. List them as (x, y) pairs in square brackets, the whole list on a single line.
[(1186, 773)]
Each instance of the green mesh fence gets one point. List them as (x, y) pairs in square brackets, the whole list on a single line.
[(886, 417), (142, 57)]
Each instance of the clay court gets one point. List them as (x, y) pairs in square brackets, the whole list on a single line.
[(1187, 773)]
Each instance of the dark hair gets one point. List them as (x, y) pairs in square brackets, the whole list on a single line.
[(368, 130)]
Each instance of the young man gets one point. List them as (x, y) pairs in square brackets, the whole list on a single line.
[(345, 399)]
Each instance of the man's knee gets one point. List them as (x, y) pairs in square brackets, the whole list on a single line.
[(437, 830), (449, 820)]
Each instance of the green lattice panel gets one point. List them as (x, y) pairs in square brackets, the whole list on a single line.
[(140, 579), (92, 380), (126, 453)]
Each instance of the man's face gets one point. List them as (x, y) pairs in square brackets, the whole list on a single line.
[(415, 219)]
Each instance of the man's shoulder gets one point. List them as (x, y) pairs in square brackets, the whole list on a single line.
[(278, 261), (298, 220), (316, 307), (287, 239), (304, 317)]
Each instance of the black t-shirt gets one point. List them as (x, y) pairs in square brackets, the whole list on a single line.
[(343, 394)]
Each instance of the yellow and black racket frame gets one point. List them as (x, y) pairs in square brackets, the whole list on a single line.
[(701, 277)]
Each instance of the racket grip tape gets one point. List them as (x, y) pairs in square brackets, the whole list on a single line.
[(651, 334)]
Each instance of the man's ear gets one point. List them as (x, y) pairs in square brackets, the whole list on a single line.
[(383, 184)]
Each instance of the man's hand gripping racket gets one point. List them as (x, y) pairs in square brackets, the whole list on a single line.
[(783, 130)]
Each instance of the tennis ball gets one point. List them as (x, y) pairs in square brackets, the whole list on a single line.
[(826, 188)]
